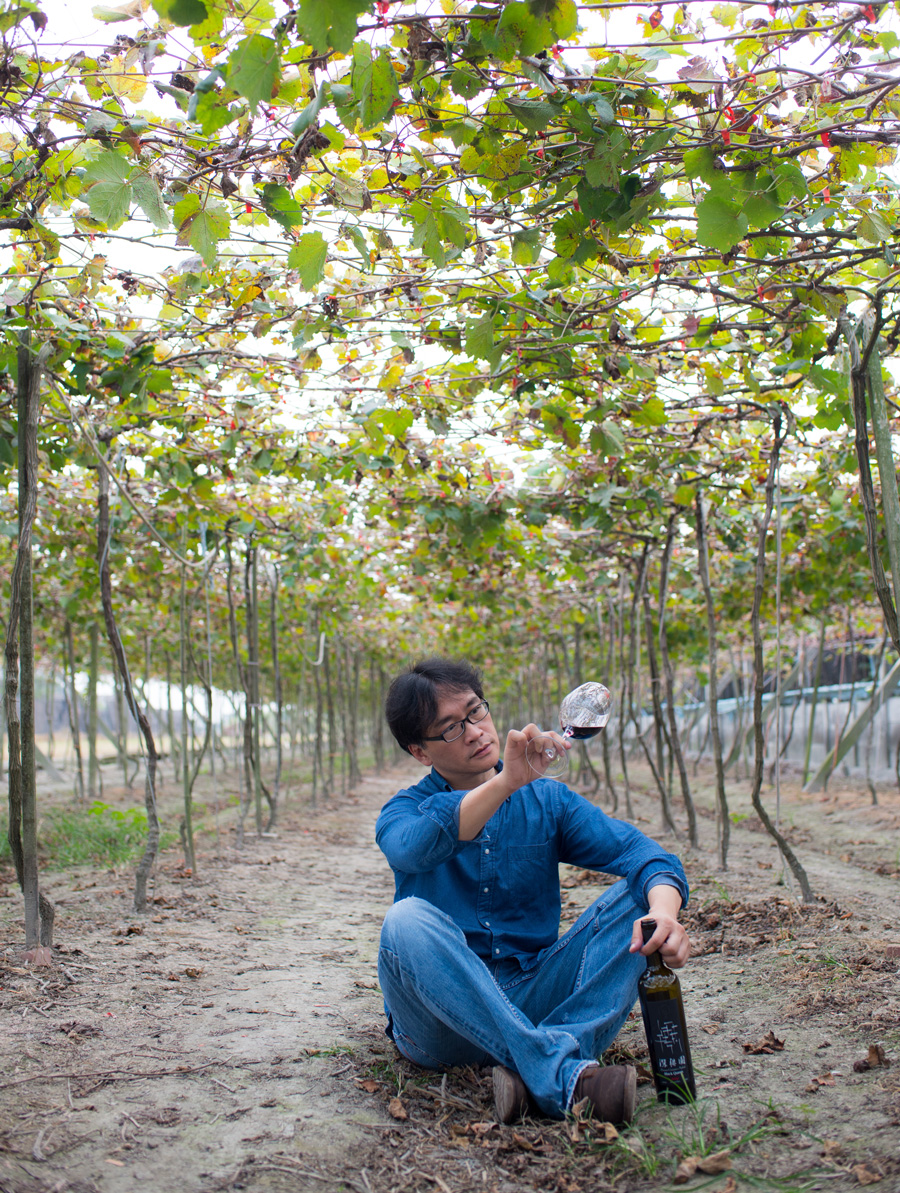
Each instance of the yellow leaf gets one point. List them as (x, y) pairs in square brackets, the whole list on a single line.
[(247, 295), (126, 84)]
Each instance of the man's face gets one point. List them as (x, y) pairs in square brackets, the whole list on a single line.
[(471, 758)]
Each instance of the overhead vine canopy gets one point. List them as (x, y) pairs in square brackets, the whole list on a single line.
[(468, 266)]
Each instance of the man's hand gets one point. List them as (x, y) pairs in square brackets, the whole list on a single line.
[(670, 938), (480, 804), (521, 771)]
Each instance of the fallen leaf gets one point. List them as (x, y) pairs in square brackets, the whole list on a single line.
[(876, 1057), (366, 983), (685, 1170), (767, 1044), (397, 1110), (866, 1175), (715, 1163), (481, 1129), (608, 1132), (831, 1148), (526, 1144), (710, 1028), (370, 1085), (78, 1031), (730, 1186), (192, 971), (121, 1163), (818, 1082)]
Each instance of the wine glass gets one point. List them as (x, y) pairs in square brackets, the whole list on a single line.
[(582, 714)]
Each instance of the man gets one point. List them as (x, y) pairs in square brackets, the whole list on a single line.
[(470, 965)]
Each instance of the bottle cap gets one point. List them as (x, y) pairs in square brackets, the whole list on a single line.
[(648, 927)]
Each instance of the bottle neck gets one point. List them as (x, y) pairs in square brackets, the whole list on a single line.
[(654, 959)]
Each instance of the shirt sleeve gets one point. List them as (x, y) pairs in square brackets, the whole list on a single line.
[(596, 841), (417, 835)]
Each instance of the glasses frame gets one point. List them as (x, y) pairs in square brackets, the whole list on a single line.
[(461, 725)]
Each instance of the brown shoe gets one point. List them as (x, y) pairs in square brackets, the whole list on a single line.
[(610, 1090), (510, 1094)]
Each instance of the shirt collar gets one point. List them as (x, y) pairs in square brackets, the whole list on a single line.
[(441, 784)]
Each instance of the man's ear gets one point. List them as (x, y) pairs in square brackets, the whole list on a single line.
[(420, 754)]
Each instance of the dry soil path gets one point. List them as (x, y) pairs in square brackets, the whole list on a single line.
[(232, 1038)]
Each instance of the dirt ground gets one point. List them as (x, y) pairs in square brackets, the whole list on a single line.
[(232, 1038)]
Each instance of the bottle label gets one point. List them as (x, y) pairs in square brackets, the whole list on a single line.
[(666, 1040)]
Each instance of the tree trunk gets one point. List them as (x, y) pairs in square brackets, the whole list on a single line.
[(243, 743), (187, 824), (332, 726), (22, 790), (815, 701), (758, 673), (93, 789), (152, 758), (623, 696), (858, 373), (72, 709), (279, 695), (669, 676), (723, 824), (353, 708), (251, 592), (377, 718), (657, 768)]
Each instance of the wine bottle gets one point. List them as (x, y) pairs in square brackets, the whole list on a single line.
[(663, 1010)]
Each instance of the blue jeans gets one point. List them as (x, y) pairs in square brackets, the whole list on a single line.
[(548, 1021)]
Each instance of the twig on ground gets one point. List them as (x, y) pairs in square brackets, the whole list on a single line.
[(112, 1075)]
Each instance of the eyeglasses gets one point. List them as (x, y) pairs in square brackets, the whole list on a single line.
[(458, 728)]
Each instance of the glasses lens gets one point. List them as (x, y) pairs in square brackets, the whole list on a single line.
[(479, 713), (454, 731)]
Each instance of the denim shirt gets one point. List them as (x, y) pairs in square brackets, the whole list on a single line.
[(502, 888)]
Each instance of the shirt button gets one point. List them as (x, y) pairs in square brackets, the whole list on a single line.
[(487, 851), (485, 890), (496, 950), (487, 923)]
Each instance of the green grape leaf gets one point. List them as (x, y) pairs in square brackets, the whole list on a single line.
[(874, 228), (146, 192), (534, 114), (720, 224), (330, 24), (762, 210), (374, 84), (182, 12), (280, 205), (308, 257), (109, 192), (519, 34), (253, 69), (311, 111), (202, 227), (651, 414), (526, 246)]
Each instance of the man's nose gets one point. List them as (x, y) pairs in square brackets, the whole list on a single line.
[(473, 732)]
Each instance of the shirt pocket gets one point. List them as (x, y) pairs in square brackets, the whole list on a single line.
[(532, 877)]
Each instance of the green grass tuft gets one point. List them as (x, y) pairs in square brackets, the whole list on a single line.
[(94, 836)]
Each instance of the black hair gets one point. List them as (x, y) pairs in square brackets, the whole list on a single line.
[(412, 699)]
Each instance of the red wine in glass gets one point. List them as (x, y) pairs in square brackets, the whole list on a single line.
[(582, 714)]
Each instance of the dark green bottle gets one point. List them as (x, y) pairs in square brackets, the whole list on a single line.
[(667, 1038)]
